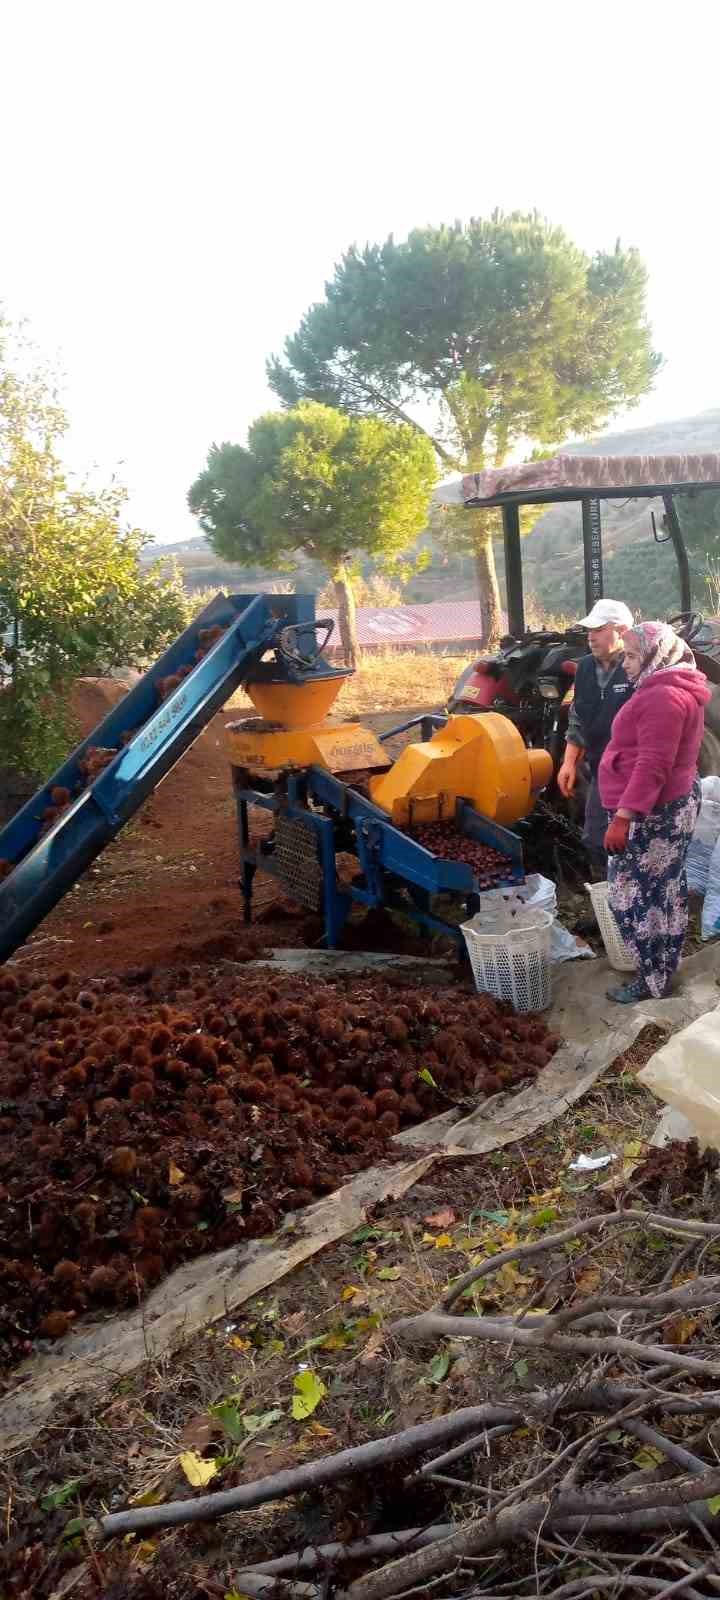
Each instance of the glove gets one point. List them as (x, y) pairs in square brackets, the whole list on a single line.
[(616, 838)]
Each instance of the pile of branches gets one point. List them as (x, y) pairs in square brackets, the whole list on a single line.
[(568, 1521)]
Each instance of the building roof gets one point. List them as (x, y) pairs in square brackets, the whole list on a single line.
[(441, 622)]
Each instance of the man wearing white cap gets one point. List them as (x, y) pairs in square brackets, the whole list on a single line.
[(601, 688)]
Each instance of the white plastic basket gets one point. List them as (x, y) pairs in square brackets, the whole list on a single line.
[(615, 948), (511, 961)]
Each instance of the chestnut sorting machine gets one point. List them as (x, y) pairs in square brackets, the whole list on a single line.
[(435, 822)]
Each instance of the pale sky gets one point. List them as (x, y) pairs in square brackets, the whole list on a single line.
[(178, 181)]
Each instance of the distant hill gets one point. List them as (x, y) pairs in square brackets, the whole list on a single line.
[(636, 568)]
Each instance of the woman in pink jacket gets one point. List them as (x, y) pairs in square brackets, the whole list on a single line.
[(649, 786)]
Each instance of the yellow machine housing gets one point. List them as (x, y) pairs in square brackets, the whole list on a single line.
[(479, 758), (290, 734)]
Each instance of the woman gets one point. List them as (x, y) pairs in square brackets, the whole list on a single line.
[(649, 785)]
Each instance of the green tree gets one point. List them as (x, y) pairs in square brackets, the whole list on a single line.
[(315, 480), (481, 337), (74, 597)]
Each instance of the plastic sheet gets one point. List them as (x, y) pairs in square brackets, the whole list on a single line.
[(685, 1073), (705, 837)]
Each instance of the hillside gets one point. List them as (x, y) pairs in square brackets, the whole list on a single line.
[(636, 567)]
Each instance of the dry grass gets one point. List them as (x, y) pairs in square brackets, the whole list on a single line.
[(393, 678), (400, 678)]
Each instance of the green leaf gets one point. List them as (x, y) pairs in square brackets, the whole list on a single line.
[(309, 1391), (254, 1422), (520, 1368), (713, 1504), (230, 1419), (500, 1217), (59, 1497), (439, 1367), (72, 1528), (426, 1076), (389, 1273), (543, 1219)]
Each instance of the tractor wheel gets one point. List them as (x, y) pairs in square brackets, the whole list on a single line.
[(709, 757)]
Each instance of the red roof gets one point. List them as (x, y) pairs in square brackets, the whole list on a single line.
[(442, 622)]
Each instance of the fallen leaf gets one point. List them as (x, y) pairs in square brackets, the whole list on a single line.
[(520, 1369), (236, 1343), (426, 1076), (373, 1347), (295, 1322), (390, 1272), (679, 1330), (144, 1551), (175, 1176), (648, 1457), (366, 1324), (632, 1149), (153, 1495), (338, 1339), (441, 1219), (588, 1280), (713, 1504), (350, 1291), (197, 1471), (444, 1241), (319, 1431), (309, 1391)]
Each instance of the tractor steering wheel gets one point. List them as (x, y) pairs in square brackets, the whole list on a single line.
[(687, 624), (289, 646)]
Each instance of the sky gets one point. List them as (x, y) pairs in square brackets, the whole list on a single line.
[(178, 181)]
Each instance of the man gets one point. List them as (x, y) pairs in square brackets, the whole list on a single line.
[(601, 688)]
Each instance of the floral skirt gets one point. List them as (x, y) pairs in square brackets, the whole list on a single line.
[(648, 889)]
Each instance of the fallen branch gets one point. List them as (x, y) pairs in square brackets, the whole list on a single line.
[(435, 1324), (602, 1219), (377, 1544), (359, 1458), (586, 1508)]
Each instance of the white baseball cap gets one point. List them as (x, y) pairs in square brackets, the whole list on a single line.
[(605, 611)]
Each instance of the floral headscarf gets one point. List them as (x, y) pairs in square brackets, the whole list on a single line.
[(661, 650)]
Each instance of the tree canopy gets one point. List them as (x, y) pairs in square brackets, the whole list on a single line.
[(74, 597), (482, 337), (316, 480)]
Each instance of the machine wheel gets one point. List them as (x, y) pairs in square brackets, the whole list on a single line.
[(709, 757)]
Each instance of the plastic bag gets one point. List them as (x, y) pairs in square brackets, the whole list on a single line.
[(705, 837), (710, 923), (539, 894), (685, 1073)]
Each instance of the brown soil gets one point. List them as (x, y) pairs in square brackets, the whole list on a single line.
[(167, 889)]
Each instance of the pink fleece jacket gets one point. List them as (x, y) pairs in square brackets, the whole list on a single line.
[(652, 755)]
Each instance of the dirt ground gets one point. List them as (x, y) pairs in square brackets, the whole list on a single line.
[(166, 891), (164, 896)]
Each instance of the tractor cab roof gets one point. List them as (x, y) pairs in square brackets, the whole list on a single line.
[(567, 477)]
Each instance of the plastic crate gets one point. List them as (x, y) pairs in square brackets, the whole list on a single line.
[(512, 960), (615, 948)]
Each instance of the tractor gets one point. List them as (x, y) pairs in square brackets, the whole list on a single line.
[(530, 678)]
